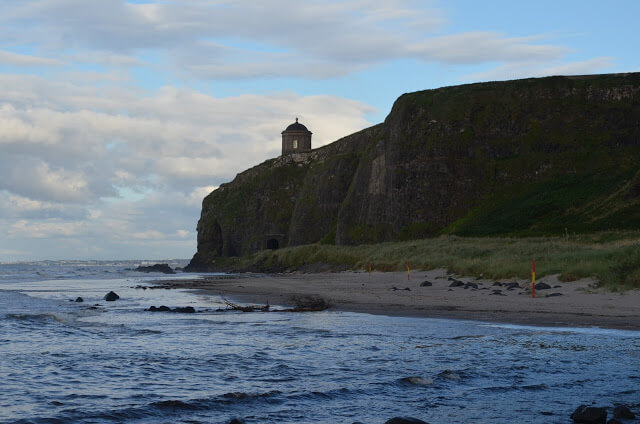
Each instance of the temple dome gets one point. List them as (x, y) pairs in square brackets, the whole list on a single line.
[(297, 126), (296, 139)]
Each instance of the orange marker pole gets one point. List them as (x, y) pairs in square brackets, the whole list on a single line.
[(533, 279), (408, 272)]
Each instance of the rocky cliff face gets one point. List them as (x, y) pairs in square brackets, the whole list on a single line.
[(518, 157)]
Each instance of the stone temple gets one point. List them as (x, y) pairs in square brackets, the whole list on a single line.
[(296, 139)]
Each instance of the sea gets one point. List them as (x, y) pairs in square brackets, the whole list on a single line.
[(94, 361)]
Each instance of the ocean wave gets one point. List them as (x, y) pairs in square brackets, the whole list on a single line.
[(178, 409), (60, 317), (417, 381)]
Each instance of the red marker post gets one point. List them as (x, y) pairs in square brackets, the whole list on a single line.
[(533, 279)]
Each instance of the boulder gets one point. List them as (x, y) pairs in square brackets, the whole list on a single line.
[(426, 284), (472, 285), (405, 420), (553, 294), (164, 268), (184, 310), (621, 411), (456, 283), (79, 299), (111, 297), (511, 286), (163, 308), (589, 415), (542, 286)]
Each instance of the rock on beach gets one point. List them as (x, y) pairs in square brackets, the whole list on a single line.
[(623, 412), (589, 415), (405, 420), (179, 309), (111, 296), (164, 268)]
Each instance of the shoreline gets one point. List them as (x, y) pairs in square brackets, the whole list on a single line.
[(572, 304)]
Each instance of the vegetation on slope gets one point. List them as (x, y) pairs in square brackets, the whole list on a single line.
[(596, 201), (611, 257)]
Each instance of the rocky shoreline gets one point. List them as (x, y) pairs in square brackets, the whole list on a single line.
[(435, 294)]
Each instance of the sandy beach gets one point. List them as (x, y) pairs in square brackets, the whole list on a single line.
[(570, 304)]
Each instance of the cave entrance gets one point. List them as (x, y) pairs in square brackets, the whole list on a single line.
[(273, 244)]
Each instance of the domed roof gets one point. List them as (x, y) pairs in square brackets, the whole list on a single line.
[(296, 126)]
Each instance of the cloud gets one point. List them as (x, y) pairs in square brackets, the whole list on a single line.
[(20, 207), (212, 39), (15, 59), (534, 69), (482, 47), (130, 169), (86, 140), (35, 179)]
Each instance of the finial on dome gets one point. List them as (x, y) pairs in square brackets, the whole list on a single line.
[(296, 119)]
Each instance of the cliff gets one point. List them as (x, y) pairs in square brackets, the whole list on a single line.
[(525, 157)]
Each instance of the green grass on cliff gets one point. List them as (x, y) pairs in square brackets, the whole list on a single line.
[(597, 201), (611, 257)]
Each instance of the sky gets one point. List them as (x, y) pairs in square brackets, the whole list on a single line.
[(118, 117)]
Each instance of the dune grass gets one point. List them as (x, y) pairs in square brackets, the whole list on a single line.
[(613, 258)]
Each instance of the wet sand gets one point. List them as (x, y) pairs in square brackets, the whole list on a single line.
[(579, 303)]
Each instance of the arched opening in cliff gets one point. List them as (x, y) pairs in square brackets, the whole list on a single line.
[(273, 244)]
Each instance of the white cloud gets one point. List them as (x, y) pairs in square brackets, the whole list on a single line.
[(211, 39), (483, 47), (15, 59), (131, 169), (534, 69), (53, 228)]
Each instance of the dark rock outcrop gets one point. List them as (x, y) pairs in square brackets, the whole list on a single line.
[(542, 286), (512, 157), (163, 268), (405, 420), (111, 296), (181, 310), (79, 299), (184, 310), (426, 284), (589, 415), (622, 411)]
